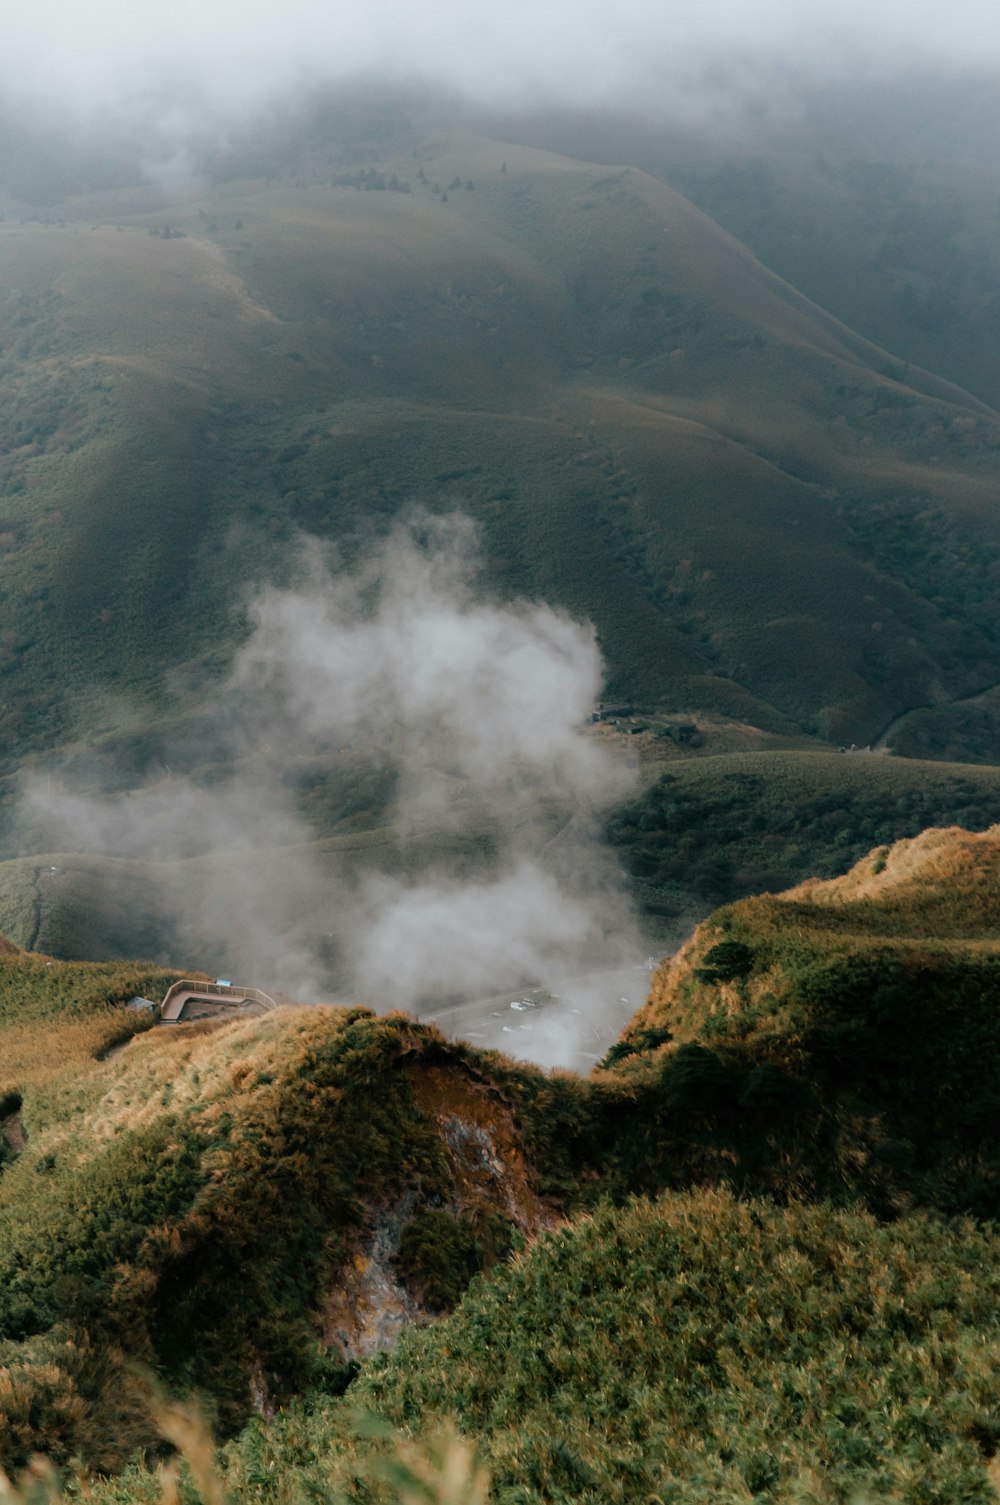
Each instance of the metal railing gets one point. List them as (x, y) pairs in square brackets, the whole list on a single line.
[(209, 990)]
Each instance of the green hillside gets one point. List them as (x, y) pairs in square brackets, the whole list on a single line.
[(85, 906), (715, 828), (763, 514), (877, 198), (692, 1348)]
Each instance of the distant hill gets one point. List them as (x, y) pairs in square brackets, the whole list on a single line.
[(763, 513), (877, 196), (713, 828)]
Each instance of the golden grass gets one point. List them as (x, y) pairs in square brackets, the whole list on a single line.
[(35, 1053), (933, 901), (59, 1019), (917, 868), (204, 1063), (439, 1468)]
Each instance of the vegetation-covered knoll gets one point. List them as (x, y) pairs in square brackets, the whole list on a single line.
[(692, 1349), (860, 1016), (221, 1202), (77, 907), (940, 884)]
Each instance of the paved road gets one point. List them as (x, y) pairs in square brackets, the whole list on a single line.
[(567, 1022)]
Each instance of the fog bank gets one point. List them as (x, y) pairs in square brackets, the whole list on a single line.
[(194, 58)]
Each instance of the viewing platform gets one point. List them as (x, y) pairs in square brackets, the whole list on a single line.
[(188, 1000)]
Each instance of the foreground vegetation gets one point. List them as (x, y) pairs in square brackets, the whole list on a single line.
[(242, 1208), (700, 1349), (693, 1347)]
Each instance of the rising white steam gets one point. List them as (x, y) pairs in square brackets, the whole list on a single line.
[(495, 876), (465, 695)]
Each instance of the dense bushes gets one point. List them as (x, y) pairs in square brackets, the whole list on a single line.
[(440, 1252), (188, 1215), (716, 829), (691, 1349)]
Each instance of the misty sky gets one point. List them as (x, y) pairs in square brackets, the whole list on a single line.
[(234, 52)]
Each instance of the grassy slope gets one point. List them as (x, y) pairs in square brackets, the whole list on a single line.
[(898, 240), (57, 1018), (836, 1042), (141, 1183), (692, 1349), (653, 430), (878, 201), (848, 1006)]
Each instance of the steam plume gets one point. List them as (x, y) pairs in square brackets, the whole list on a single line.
[(473, 707)]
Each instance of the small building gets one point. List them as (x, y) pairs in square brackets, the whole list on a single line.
[(685, 732)]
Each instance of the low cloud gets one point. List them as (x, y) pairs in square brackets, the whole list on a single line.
[(190, 58)]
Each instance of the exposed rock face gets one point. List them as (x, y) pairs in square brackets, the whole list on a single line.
[(482, 1145), (368, 1307)]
